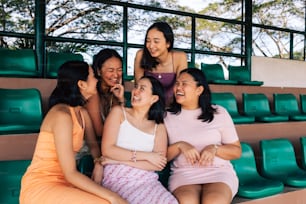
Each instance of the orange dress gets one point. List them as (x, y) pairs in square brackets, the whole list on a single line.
[(44, 181)]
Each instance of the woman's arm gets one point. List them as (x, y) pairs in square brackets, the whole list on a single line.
[(138, 71), (224, 151), (94, 110), (62, 130)]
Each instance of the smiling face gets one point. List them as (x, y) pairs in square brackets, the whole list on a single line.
[(111, 72), (156, 43), (142, 94), (187, 92)]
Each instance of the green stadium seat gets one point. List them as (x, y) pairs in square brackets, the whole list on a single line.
[(215, 75), (85, 165), (303, 151), (303, 102), (257, 104), (279, 162), (242, 75), (18, 63), (127, 97), (20, 111), (229, 102), (251, 184), (56, 59), (287, 104), (11, 173)]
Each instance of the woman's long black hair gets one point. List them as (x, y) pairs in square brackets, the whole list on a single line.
[(67, 90), (157, 111), (147, 61), (208, 111)]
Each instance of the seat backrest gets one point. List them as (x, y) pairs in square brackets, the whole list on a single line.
[(18, 63), (20, 110), (303, 102), (212, 71), (56, 59), (255, 104), (239, 73), (285, 104), (277, 156), (303, 151), (227, 100), (245, 166)]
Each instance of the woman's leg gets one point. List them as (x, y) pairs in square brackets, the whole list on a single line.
[(188, 194), (216, 193)]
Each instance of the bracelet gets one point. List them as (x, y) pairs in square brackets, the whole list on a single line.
[(98, 160), (134, 158)]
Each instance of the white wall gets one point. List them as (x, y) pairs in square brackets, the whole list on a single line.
[(279, 72)]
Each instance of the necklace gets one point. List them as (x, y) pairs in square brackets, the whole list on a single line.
[(159, 76)]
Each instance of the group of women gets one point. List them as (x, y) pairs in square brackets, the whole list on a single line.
[(129, 145)]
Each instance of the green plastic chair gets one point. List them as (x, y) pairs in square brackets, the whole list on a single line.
[(85, 165), (229, 102), (279, 162), (251, 184), (215, 75), (21, 111), (303, 151), (56, 59), (11, 173), (18, 63), (257, 104), (303, 102), (242, 75), (287, 104)]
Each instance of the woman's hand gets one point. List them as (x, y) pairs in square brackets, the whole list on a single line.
[(157, 159), (107, 160), (116, 199), (97, 173), (207, 155), (118, 91), (190, 153)]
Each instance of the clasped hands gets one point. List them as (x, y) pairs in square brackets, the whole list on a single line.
[(203, 158)]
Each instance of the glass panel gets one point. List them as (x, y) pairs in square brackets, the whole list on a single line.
[(17, 16), (298, 46), (270, 43), (283, 14), (84, 20), (87, 51), (141, 20), (17, 43), (218, 36)]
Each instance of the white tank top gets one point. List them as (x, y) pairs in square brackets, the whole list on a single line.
[(131, 138)]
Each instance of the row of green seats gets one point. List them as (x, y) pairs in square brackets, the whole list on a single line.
[(23, 62), (278, 168), (256, 107), (238, 75)]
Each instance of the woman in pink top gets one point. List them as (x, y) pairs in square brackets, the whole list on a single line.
[(202, 141), (158, 58)]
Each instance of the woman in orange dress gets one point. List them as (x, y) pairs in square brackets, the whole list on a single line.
[(52, 176)]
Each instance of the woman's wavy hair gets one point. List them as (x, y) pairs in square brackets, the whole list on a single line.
[(67, 90), (208, 111), (147, 61), (157, 110), (98, 61)]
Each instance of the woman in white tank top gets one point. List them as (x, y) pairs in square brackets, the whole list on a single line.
[(134, 146)]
